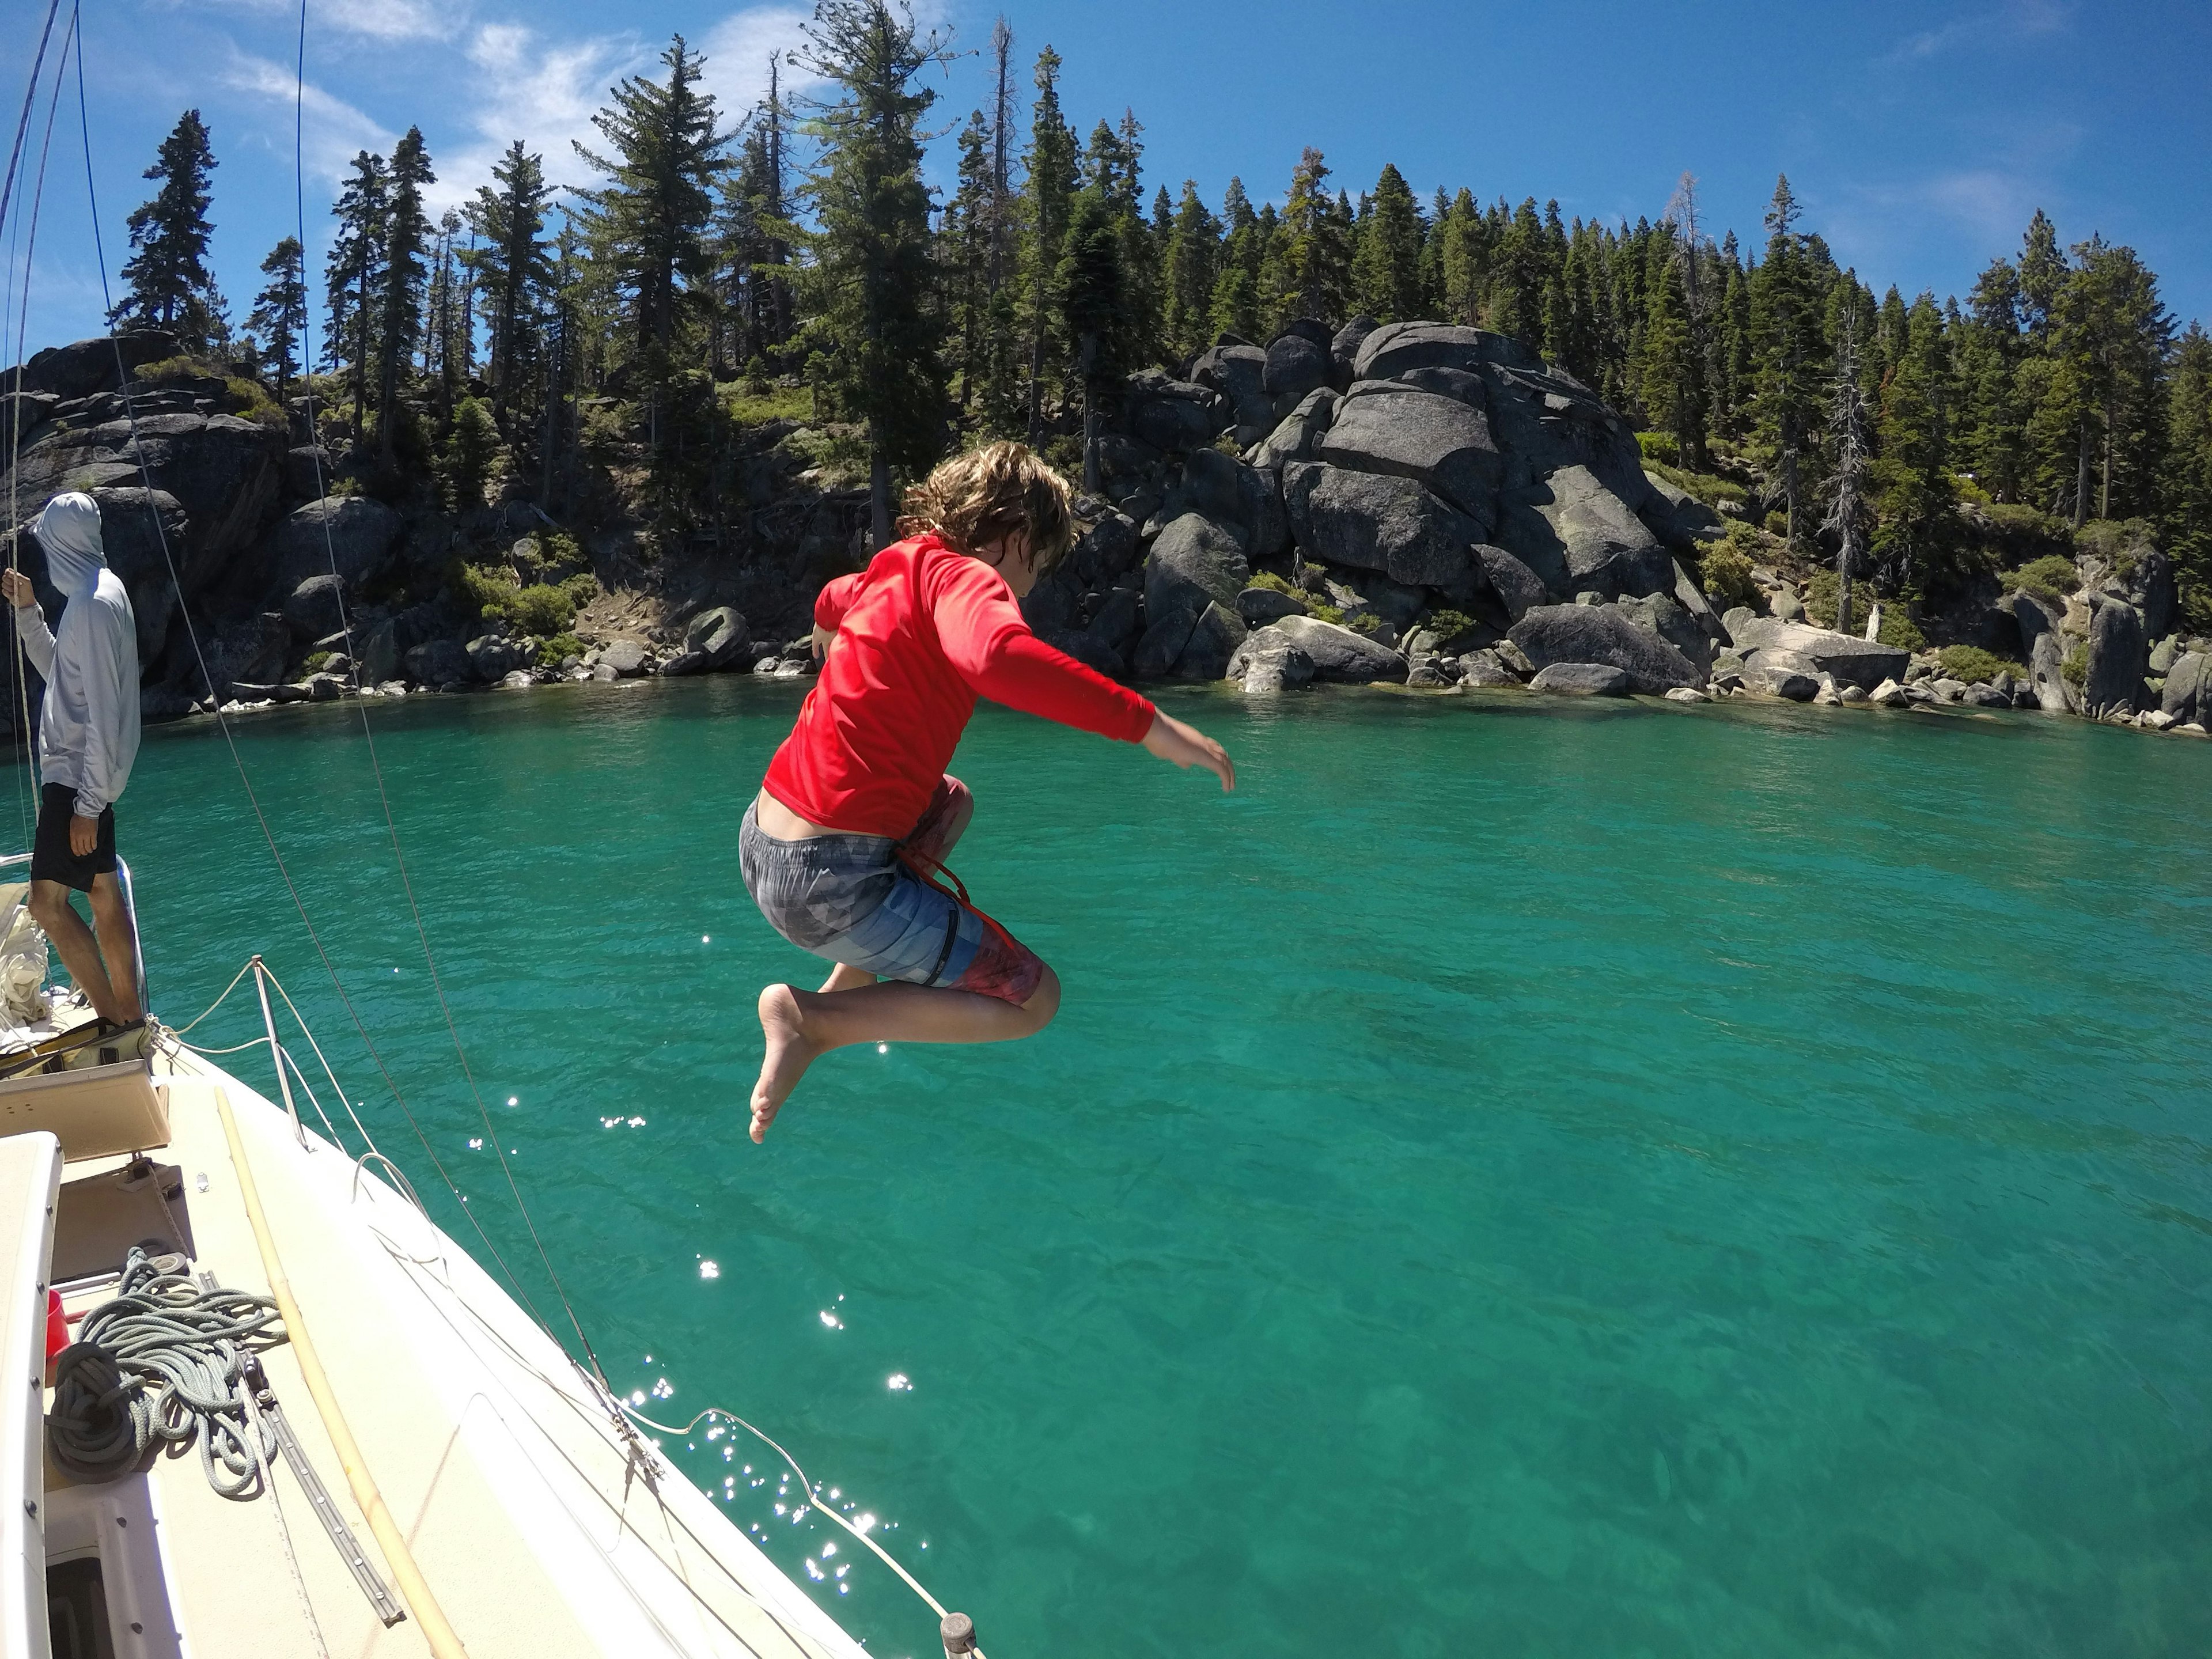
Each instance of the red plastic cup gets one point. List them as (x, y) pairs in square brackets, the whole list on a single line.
[(57, 1330)]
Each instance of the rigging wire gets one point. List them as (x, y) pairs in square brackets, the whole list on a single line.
[(368, 736), (230, 740), (29, 774), (30, 97)]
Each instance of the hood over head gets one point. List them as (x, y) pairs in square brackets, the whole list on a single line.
[(69, 530)]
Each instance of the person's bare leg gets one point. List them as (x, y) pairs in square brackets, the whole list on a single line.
[(801, 1026), (51, 909), (845, 977), (118, 945)]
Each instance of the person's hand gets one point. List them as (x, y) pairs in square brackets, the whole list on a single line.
[(1188, 746), (15, 588), (84, 834), (821, 642)]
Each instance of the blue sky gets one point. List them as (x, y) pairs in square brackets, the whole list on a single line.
[(1918, 137)]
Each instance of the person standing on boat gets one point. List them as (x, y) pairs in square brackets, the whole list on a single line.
[(88, 739), (843, 846)]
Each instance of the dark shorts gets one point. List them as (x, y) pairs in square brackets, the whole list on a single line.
[(51, 858), (851, 899)]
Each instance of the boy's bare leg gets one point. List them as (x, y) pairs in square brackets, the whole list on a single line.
[(845, 977), (51, 909), (801, 1026), (118, 943)]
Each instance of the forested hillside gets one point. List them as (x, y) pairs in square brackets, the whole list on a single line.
[(596, 332)]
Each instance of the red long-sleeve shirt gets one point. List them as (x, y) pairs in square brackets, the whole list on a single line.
[(919, 633)]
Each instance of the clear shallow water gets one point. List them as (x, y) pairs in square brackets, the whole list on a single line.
[(1541, 1181)]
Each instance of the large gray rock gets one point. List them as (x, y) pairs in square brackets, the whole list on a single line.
[(438, 662), (89, 366), (1677, 517), (1603, 633), (136, 527), (1172, 415), (2188, 692), (1298, 434), (1106, 549), (1344, 349), (228, 476), (2044, 647), (1194, 563), (1239, 373), (1373, 521), (1584, 679), (1337, 653), (1578, 535), (493, 657), (1214, 641), (1518, 588), (1278, 666), (316, 607), (1372, 592), (718, 637), (354, 533), (1295, 366), (1659, 614), (1244, 499), (1259, 606), (627, 657), (1161, 646), (2117, 654), (1692, 598), (1114, 626), (1770, 643), (1397, 349), (1433, 440)]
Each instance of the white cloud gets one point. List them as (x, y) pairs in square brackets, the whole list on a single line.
[(2013, 21), (332, 129), (543, 93), (1983, 208), (373, 19), (738, 50)]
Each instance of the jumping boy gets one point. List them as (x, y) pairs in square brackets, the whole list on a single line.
[(841, 848), (88, 739)]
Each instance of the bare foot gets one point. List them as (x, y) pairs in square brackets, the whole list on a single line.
[(788, 1054)]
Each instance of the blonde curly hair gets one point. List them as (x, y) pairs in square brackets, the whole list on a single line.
[(987, 495)]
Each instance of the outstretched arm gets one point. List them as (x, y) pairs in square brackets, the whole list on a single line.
[(1187, 746), (30, 622)]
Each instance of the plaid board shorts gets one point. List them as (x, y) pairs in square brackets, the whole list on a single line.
[(850, 898)]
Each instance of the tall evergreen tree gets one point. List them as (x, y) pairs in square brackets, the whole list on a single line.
[(1849, 478), (1193, 258), (1916, 492), (1386, 271), (2188, 520), (1673, 382), (353, 277), (1786, 320), (1235, 307), (513, 267), (2117, 333), (1092, 309), (871, 272), (964, 237), (1315, 250), (406, 236), (165, 278), (1050, 163), (279, 313)]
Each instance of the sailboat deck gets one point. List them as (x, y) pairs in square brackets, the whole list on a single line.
[(536, 1530)]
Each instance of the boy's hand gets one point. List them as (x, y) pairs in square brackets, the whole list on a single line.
[(1188, 746), (84, 834), (15, 588)]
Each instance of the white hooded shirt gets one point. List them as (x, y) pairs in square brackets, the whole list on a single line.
[(88, 728)]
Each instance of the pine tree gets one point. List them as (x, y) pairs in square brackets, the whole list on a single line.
[(353, 277), (1091, 304), (1386, 271), (2043, 272), (406, 235), (1050, 163), (2116, 334), (1786, 323), (964, 236), (1992, 435), (1315, 251), (1849, 478), (1464, 260), (1516, 289), (2188, 483), (1672, 382), (470, 456), (871, 279), (1916, 492), (168, 285), (279, 313), (1193, 268), (513, 267)]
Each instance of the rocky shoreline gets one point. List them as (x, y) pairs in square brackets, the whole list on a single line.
[(1417, 504)]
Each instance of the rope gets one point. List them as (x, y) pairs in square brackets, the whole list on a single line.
[(30, 97), (157, 1367)]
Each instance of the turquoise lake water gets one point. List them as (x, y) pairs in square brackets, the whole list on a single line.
[(1564, 1180)]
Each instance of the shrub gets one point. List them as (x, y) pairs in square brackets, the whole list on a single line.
[(1364, 621), (1974, 665), (480, 592), (1275, 584), (559, 551), (313, 664), (2118, 541), (1327, 613), (1448, 625), (540, 609), (1725, 571), (1707, 487), (1661, 447), (2074, 670), (580, 590), (1897, 631), (1778, 524), (560, 646), (2052, 577), (756, 402)]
